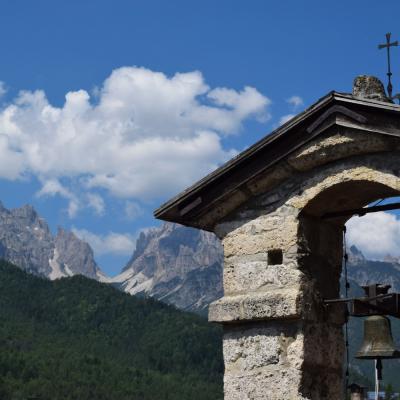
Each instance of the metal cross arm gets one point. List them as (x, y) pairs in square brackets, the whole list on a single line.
[(387, 46)]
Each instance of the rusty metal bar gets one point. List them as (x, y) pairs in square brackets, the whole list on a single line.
[(362, 211), (365, 299)]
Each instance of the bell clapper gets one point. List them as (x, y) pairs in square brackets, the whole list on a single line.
[(378, 367)]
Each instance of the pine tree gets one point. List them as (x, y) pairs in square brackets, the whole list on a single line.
[(389, 392)]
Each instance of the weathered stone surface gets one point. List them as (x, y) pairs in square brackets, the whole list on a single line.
[(280, 342), (279, 304), (276, 384), (308, 366), (242, 274), (263, 233), (274, 361), (369, 87), (252, 348), (330, 147)]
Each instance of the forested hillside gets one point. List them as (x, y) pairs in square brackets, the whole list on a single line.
[(76, 338)]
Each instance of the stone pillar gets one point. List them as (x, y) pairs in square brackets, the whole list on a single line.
[(280, 342)]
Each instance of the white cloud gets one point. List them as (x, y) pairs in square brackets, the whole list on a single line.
[(285, 119), (96, 202), (146, 135), (375, 234), (295, 102), (133, 210), (3, 89), (11, 161), (112, 243), (53, 187)]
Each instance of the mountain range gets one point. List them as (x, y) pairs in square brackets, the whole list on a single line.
[(26, 241), (172, 263), (177, 265)]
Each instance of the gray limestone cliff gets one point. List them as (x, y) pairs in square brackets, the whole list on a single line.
[(26, 241), (75, 255), (365, 272), (178, 265), (183, 266)]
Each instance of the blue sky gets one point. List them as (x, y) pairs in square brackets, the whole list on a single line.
[(109, 108)]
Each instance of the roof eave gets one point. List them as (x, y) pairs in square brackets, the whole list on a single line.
[(172, 209), (191, 190)]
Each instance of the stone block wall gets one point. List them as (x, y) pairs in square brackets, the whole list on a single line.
[(281, 260)]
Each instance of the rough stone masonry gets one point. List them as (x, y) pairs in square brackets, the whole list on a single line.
[(282, 257)]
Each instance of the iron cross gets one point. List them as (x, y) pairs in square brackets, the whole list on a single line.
[(388, 45)]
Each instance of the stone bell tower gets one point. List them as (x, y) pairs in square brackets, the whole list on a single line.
[(278, 209)]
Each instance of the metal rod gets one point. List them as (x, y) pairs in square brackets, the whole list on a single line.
[(366, 299), (376, 381), (347, 285), (388, 45), (362, 211), (389, 74)]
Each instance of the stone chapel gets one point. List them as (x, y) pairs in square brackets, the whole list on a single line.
[(282, 254)]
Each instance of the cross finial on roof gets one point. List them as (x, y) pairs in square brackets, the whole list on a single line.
[(388, 45)]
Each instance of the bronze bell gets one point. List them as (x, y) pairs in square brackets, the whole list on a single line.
[(378, 340)]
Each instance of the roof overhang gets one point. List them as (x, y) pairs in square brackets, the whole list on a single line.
[(362, 114)]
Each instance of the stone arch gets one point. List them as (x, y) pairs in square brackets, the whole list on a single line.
[(319, 238), (280, 257), (304, 339), (320, 255)]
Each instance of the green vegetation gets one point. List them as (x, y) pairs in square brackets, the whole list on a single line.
[(79, 339)]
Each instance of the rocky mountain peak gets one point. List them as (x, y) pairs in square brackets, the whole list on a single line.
[(26, 212), (355, 255), (142, 242), (26, 240), (75, 255), (2, 208), (63, 234), (391, 259), (179, 265)]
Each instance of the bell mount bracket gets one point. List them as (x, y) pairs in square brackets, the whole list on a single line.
[(377, 301)]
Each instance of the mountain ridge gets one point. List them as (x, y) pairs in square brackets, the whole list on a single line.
[(172, 263), (179, 265), (26, 241), (155, 268)]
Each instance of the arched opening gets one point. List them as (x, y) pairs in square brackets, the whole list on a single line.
[(373, 248), (321, 236), (320, 249)]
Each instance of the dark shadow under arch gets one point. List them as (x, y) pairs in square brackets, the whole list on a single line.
[(320, 255)]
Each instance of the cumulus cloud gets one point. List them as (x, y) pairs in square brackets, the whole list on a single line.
[(96, 202), (141, 135), (53, 187), (3, 89), (375, 234), (285, 118), (295, 102), (132, 210), (111, 243)]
